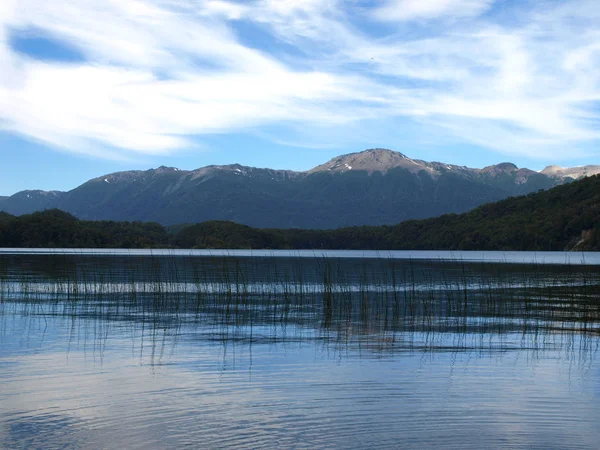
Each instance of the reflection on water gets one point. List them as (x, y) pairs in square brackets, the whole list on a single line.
[(102, 351)]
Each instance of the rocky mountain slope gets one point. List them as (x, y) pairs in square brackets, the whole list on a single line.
[(26, 202), (373, 187), (571, 172)]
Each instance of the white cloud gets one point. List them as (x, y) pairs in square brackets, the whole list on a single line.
[(120, 102), (405, 10), (231, 11), (158, 72)]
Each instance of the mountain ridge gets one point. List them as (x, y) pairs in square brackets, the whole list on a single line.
[(566, 217), (373, 187), (571, 172)]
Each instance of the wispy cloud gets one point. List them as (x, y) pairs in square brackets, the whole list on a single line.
[(158, 72), (405, 10)]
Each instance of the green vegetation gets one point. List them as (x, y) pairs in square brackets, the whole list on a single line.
[(380, 302), (566, 217), (220, 234), (54, 228)]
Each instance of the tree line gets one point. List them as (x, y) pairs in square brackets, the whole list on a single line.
[(565, 217)]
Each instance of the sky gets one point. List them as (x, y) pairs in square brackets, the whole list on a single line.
[(89, 87)]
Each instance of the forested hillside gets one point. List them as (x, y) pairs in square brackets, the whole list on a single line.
[(57, 229), (565, 217), (373, 187)]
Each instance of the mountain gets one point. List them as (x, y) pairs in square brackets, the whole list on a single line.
[(571, 172), (566, 217), (374, 160), (505, 176), (26, 202), (373, 187)]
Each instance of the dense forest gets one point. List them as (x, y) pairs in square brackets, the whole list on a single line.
[(57, 229), (566, 217)]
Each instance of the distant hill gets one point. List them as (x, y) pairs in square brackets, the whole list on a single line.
[(373, 187), (58, 229), (566, 217), (571, 172), (26, 202)]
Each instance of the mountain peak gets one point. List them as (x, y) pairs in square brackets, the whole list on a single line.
[(571, 172), (500, 168), (551, 170), (371, 160), (378, 151), (165, 169), (508, 166)]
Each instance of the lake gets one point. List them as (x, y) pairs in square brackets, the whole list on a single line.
[(299, 349)]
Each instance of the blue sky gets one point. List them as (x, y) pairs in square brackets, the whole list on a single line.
[(88, 88)]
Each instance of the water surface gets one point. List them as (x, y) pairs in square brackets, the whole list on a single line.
[(563, 258), (230, 349)]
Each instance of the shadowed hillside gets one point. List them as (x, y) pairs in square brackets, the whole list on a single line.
[(373, 187), (565, 217)]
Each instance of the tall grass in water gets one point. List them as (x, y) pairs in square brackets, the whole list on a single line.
[(377, 304)]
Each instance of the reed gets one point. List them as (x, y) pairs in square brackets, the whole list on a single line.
[(376, 304)]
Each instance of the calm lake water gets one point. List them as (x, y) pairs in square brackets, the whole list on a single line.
[(235, 349)]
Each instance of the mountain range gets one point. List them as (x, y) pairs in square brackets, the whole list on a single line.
[(566, 217), (373, 187)]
